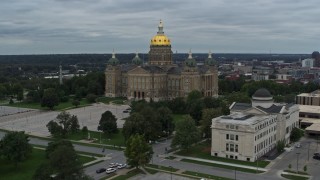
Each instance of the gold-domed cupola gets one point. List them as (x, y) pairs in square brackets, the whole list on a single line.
[(160, 39)]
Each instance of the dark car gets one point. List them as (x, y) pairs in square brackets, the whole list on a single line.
[(125, 111), (101, 170), (316, 156)]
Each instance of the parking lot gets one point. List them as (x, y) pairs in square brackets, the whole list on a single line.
[(35, 121)]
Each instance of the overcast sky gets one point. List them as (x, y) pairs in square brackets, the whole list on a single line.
[(98, 26)]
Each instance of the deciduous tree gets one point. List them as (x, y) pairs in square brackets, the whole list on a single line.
[(15, 147), (138, 152), (108, 123), (186, 133), (50, 98)]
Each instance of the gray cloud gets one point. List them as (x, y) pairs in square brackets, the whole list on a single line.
[(98, 26)]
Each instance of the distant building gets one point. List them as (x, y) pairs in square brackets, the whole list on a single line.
[(252, 130), (160, 79), (316, 56), (283, 78), (261, 73), (307, 62), (312, 99)]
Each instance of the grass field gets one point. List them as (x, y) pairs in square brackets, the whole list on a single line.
[(205, 175), (177, 117), (61, 106), (202, 151), (222, 166), (128, 175), (115, 139), (27, 168), (293, 177)]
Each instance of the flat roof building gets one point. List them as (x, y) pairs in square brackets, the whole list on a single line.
[(252, 130)]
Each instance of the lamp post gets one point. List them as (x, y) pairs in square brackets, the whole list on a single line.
[(170, 172), (235, 173), (297, 161), (308, 149)]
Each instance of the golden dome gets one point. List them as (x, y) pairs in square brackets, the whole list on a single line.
[(160, 39)]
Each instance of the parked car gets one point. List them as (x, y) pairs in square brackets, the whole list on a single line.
[(316, 154), (111, 170), (113, 165), (100, 170), (125, 111), (316, 157), (298, 145), (120, 166)]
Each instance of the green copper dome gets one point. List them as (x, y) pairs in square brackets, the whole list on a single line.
[(113, 60), (210, 61), (191, 62), (137, 60)]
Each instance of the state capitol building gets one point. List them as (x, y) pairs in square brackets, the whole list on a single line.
[(160, 79)]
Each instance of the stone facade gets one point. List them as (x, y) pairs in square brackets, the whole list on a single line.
[(160, 79), (252, 130)]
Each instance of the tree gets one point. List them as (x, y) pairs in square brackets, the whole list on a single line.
[(295, 134), (194, 95), (138, 152), (63, 162), (91, 98), (280, 145), (133, 125), (186, 133), (305, 168), (166, 119), (50, 98), (33, 96), (15, 147), (52, 146), (207, 116), (76, 103), (84, 131), (289, 166), (108, 123), (178, 105), (195, 109), (63, 125)]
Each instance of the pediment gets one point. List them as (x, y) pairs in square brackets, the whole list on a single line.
[(138, 70), (254, 110)]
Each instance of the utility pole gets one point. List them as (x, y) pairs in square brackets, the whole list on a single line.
[(235, 173), (297, 161), (308, 149)]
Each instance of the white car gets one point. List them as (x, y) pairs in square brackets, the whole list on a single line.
[(110, 170), (298, 145), (113, 165), (120, 166)]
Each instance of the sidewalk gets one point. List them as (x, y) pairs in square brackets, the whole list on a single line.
[(222, 163)]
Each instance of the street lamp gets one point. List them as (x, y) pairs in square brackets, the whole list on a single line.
[(170, 172), (297, 161), (235, 173), (308, 149)]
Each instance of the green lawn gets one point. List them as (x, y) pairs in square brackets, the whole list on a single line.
[(293, 177), (27, 168), (177, 117), (165, 168), (115, 100), (128, 175), (221, 166), (115, 139), (61, 106), (209, 176), (202, 150)]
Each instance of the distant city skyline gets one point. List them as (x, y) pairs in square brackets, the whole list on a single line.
[(98, 26)]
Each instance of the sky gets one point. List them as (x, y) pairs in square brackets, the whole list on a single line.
[(99, 26)]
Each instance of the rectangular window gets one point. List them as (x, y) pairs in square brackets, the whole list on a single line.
[(227, 147), (236, 137), (236, 149), (231, 137), (227, 136), (232, 147), (227, 126), (231, 126)]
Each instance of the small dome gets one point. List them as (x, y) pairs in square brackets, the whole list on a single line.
[(137, 60), (190, 61), (113, 60), (262, 93), (210, 61)]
